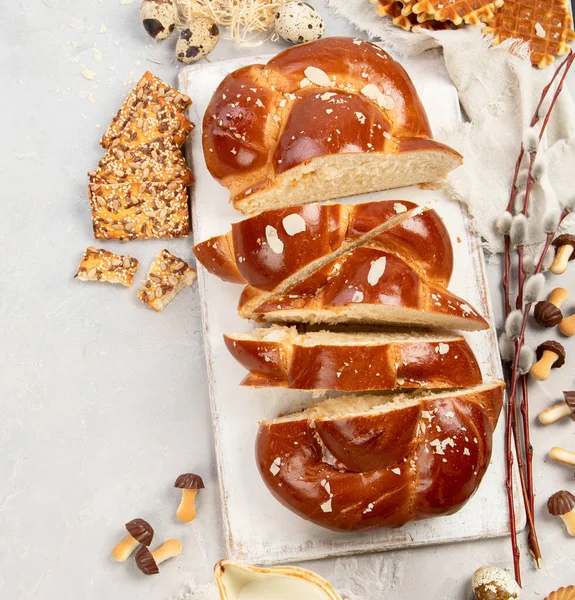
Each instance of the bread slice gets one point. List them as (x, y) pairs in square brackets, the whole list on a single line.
[(368, 286), (332, 118), (101, 265), (167, 277), (148, 88), (353, 361), (341, 175), (356, 463), (139, 210), (265, 249)]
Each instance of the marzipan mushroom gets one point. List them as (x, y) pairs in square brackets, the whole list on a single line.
[(548, 312), (558, 411), (148, 561), (561, 504), (189, 483), (139, 532), (550, 355), (565, 245)]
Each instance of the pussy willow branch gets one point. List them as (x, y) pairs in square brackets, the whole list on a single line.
[(512, 429)]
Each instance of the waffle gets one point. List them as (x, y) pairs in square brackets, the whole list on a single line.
[(149, 88), (167, 276), (546, 25), (101, 265), (470, 12), (407, 21), (139, 210)]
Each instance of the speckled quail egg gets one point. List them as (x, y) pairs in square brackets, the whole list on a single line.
[(491, 583), (298, 22), (159, 17), (196, 40)]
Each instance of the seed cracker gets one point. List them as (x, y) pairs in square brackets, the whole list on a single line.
[(139, 210), (100, 265), (160, 160), (149, 87), (167, 276)]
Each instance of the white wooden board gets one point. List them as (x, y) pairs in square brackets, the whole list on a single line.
[(257, 528)]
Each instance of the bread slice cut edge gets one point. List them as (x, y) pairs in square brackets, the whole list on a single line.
[(349, 406), (348, 174)]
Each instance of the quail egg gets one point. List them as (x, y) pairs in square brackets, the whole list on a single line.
[(298, 22), (159, 17), (491, 583), (198, 38)]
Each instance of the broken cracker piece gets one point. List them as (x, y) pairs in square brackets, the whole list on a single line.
[(167, 276), (160, 160), (131, 211), (149, 87), (100, 265)]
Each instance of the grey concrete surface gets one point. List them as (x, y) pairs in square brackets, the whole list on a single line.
[(102, 401)]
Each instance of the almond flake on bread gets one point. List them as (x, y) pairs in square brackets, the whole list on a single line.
[(353, 361), (389, 458), (100, 265), (158, 161), (139, 210), (167, 276), (148, 87)]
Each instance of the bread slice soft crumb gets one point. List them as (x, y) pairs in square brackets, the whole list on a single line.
[(341, 175), (101, 265), (167, 276)]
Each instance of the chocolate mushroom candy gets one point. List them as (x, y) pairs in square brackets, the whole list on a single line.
[(148, 561), (558, 411), (548, 312), (562, 504), (491, 583), (565, 245), (139, 532), (550, 355), (189, 483)]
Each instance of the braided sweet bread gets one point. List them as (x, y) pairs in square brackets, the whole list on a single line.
[(327, 119), (362, 462)]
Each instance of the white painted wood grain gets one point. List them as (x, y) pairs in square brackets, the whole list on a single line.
[(257, 528)]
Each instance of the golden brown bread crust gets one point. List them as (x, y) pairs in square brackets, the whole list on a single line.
[(245, 256), (261, 122), (386, 365), (348, 286), (375, 470)]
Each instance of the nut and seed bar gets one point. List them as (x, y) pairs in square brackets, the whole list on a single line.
[(139, 210), (101, 265), (149, 87), (160, 160), (167, 276)]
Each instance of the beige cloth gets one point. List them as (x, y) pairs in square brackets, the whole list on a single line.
[(498, 92)]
